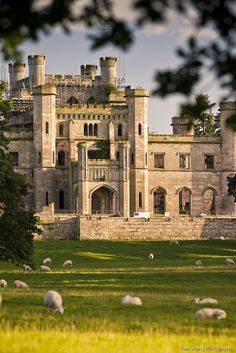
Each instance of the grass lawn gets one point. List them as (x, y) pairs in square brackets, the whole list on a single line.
[(95, 320)]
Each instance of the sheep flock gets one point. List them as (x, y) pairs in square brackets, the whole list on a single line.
[(52, 299)]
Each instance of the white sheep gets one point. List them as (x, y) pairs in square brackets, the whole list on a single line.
[(53, 299), (208, 313), (67, 263), (131, 300), (230, 262), (47, 261), (205, 301), (151, 256), (174, 242), (44, 268), (198, 263), (3, 283), (20, 284), (222, 237), (27, 268), (0, 300)]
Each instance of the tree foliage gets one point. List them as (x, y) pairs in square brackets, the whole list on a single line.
[(27, 21), (16, 223), (232, 186), (206, 123)]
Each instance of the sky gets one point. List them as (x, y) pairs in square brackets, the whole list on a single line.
[(153, 49)]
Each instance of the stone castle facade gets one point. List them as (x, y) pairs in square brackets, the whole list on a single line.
[(83, 144)]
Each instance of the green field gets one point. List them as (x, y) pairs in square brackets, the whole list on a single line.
[(95, 320)]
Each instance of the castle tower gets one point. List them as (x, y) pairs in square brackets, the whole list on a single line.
[(137, 101), (108, 69), (17, 72), (36, 70), (228, 156), (88, 70), (124, 188), (44, 144), (183, 126)]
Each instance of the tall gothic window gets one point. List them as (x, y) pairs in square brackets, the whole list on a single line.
[(119, 132), (85, 129), (159, 200), (90, 129), (185, 201), (61, 129), (95, 129)]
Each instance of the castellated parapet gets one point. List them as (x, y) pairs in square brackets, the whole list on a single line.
[(136, 92)]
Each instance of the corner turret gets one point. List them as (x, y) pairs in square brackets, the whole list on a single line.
[(108, 69), (36, 70)]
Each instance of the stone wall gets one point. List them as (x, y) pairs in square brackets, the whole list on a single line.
[(59, 227), (112, 228)]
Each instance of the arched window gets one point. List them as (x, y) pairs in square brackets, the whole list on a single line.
[(209, 201), (119, 132), (61, 129), (61, 158), (159, 200), (72, 100), (85, 129), (140, 200), (90, 129), (47, 127), (185, 201), (139, 129), (95, 129), (117, 155), (46, 198), (61, 200)]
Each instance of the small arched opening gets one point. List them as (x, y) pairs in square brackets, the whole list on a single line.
[(185, 201), (61, 158)]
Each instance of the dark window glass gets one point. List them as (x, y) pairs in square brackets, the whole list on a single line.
[(209, 161), (61, 158), (159, 159), (15, 158)]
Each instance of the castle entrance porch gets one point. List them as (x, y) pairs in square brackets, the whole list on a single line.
[(103, 201)]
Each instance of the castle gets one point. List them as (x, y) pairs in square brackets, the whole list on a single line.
[(83, 144)]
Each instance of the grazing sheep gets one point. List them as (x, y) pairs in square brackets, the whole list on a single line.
[(151, 256), (53, 299), (230, 262), (205, 301), (174, 242), (44, 268), (20, 284), (3, 283), (222, 237), (0, 300), (208, 313), (27, 268), (67, 263), (131, 300), (47, 261), (198, 263)]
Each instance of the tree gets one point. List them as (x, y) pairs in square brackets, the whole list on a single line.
[(232, 186), (19, 23), (201, 113), (16, 223)]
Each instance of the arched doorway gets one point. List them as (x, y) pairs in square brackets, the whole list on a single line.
[(159, 198), (103, 201), (209, 201), (184, 201)]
